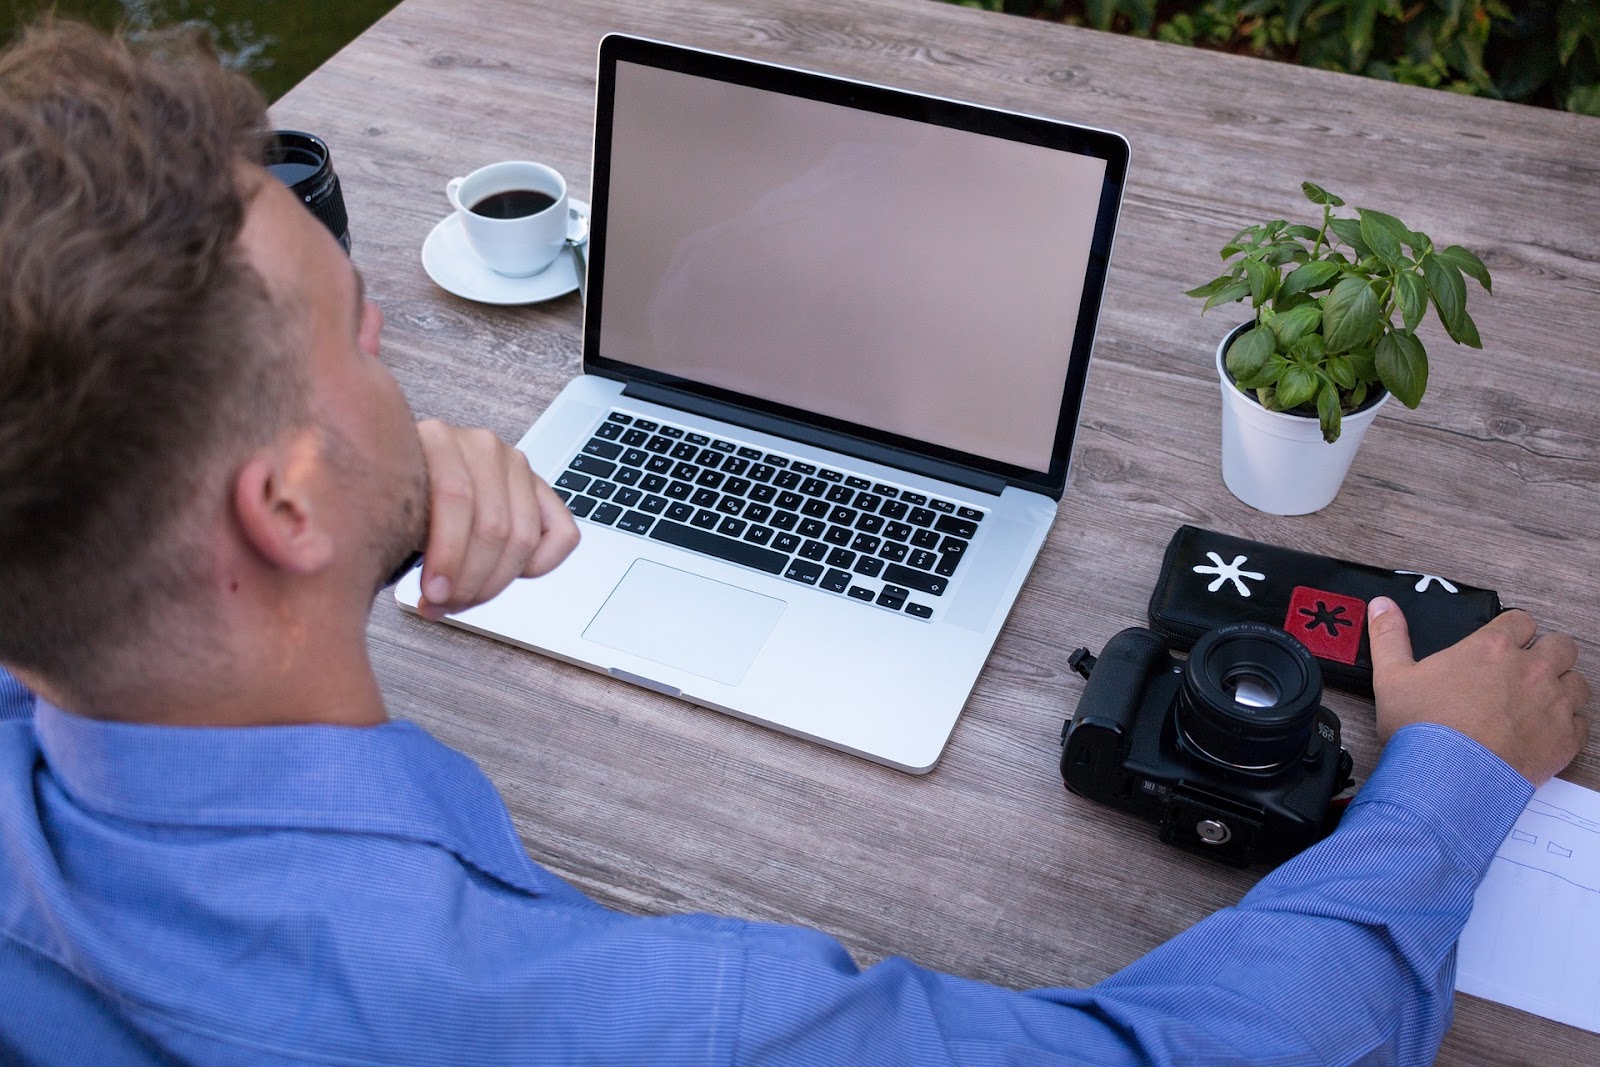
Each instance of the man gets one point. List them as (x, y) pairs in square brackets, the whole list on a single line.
[(205, 474)]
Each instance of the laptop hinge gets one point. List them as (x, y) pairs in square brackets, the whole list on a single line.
[(812, 435)]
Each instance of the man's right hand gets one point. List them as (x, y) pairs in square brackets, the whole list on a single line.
[(1512, 690)]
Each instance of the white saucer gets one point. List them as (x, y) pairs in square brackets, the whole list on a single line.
[(456, 268)]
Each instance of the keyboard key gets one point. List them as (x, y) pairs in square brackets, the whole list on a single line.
[(697, 438), (679, 490), (803, 571), (895, 509), (921, 611), (790, 500), (671, 431), (731, 527), (705, 520), (680, 512), (653, 505), (758, 535), (762, 472), (762, 559), (786, 542), (709, 457), (730, 505), (712, 479), (775, 461), (814, 550), (810, 528), (922, 559), (841, 557), (857, 483), (892, 597), (686, 472), (813, 487), (646, 424), (865, 543), (921, 517), (913, 498), (653, 483), (949, 524), (735, 465), (867, 501), (924, 539), (746, 452), (944, 506), (885, 490), (803, 468), (594, 465), (563, 495), (918, 580), (605, 514), (840, 494), (610, 431), (897, 531), (627, 497), (704, 498), (894, 551), (633, 457), (572, 480), (736, 486), (635, 437), (869, 566), (830, 475), (870, 524), (603, 449), (784, 520), (617, 416), (786, 479), (814, 508), (635, 522), (836, 581), (658, 464), (723, 446), (757, 512), (952, 546), (842, 515), (947, 565), (838, 535), (602, 490), (763, 493), (629, 475), (861, 592), (684, 450), (971, 513), (581, 505)]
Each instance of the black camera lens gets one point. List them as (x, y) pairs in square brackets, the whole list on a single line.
[(303, 163), (1250, 698)]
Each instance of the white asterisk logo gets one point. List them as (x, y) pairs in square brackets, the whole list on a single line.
[(1425, 580), (1229, 572)]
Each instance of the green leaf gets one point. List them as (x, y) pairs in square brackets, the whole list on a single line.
[(1308, 277), (1318, 195), (1412, 295), (1302, 231), (1237, 290), (1248, 353), (1363, 365), (1468, 264), (1448, 289), (1291, 326), (1584, 99), (1402, 366), (1209, 287), (1343, 372), (1350, 315), (1296, 387), (1349, 231), (1328, 411), (1263, 281), (1384, 234), (1468, 332)]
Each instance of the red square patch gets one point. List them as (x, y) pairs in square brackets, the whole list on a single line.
[(1329, 624)]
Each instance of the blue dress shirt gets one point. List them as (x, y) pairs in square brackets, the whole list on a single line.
[(15, 700), (359, 895)]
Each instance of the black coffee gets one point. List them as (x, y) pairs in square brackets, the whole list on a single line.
[(513, 204)]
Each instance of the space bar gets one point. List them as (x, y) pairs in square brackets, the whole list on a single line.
[(762, 559)]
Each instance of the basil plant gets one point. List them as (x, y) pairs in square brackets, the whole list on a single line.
[(1325, 339)]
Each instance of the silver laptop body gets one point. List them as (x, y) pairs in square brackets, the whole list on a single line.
[(835, 342)]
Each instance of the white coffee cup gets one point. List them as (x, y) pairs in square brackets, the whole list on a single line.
[(514, 215)]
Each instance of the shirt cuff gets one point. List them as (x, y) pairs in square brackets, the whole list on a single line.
[(1470, 795)]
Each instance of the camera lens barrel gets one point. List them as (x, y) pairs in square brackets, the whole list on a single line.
[(303, 162), (1249, 699)]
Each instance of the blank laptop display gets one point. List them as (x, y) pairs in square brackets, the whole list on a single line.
[(834, 351)]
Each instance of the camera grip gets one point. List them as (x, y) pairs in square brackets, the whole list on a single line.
[(1096, 738)]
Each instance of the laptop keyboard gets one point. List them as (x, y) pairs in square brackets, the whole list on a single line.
[(874, 543)]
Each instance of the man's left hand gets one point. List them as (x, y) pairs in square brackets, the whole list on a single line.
[(492, 519)]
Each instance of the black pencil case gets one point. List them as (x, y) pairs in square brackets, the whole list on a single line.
[(1209, 579)]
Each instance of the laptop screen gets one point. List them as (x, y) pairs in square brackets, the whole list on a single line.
[(907, 269)]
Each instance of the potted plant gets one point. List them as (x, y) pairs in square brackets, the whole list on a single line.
[(1336, 309)]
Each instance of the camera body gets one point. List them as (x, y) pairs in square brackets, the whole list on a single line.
[(1229, 751)]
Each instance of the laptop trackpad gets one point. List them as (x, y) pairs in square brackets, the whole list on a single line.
[(692, 623)]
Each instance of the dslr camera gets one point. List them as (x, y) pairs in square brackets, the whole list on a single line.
[(1229, 751)]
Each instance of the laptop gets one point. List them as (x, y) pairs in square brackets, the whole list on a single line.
[(835, 342)]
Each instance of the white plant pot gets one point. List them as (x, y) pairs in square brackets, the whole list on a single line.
[(1277, 462)]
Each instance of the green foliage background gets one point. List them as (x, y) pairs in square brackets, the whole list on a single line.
[(1544, 52)]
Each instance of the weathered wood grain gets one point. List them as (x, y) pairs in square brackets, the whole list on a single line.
[(986, 866)]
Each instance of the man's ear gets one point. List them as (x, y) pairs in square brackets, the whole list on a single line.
[(277, 506)]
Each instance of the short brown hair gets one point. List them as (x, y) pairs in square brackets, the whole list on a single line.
[(140, 354)]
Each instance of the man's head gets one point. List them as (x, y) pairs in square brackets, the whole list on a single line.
[(173, 324)]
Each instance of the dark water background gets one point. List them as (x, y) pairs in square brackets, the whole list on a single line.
[(275, 42)]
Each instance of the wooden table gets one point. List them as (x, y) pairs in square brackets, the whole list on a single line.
[(987, 867)]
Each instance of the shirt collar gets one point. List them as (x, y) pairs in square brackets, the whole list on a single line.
[(392, 779)]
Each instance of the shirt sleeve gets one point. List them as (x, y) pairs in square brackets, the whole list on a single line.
[(1345, 954), (16, 702)]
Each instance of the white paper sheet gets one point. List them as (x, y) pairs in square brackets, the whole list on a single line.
[(1533, 940)]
